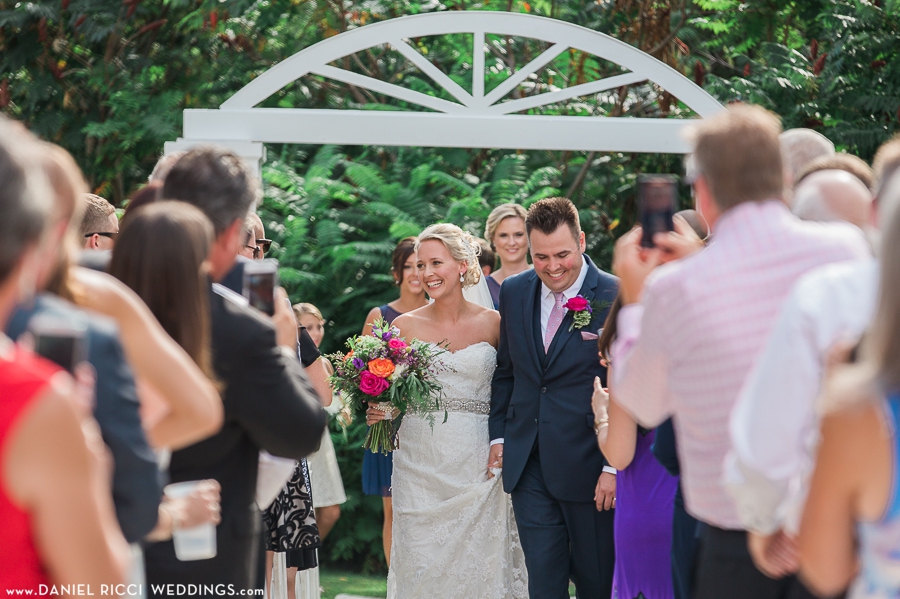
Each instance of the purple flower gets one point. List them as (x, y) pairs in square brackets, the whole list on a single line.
[(386, 335), (358, 364)]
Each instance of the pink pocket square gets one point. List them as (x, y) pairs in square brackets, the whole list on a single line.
[(588, 336)]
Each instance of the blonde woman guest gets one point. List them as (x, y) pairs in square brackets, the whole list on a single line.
[(377, 468), (851, 523), (505, 231), (324, 473)]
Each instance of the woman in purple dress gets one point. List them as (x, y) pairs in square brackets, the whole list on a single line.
[(377, 468), (645, 494)]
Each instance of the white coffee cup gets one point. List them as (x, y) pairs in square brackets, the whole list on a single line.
[(194, 543)]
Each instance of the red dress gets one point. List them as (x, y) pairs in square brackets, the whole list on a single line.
[(21, 380)]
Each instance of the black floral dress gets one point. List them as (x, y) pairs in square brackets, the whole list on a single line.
[(291, 519)]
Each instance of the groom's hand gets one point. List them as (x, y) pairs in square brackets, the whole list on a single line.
[(495, 458), (605, 495)]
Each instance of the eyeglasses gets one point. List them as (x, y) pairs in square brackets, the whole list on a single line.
[(264, 244), (256, 250), (109, 234)]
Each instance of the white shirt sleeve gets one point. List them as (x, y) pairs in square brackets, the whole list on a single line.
[(773, 425)]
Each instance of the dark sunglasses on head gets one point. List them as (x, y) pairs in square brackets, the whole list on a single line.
[(109, 234)]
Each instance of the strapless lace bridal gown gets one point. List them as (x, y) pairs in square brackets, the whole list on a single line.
[(454, 532)]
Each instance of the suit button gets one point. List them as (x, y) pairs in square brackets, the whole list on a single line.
[(535, 420), (543, 389)]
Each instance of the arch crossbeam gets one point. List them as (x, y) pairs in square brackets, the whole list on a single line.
[(476, 119)]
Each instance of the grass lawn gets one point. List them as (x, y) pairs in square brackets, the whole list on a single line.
[(336, 582)]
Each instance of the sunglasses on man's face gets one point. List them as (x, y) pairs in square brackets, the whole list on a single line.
[(260, 249)]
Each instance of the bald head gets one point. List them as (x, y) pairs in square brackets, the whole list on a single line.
[(833, 195), (799, 147)]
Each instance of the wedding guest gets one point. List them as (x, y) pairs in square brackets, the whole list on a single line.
[(687, 347), (99, 224), (255, 244), (377, 468), (842, 162), (136, 487), (487, 259), (172, 278), (57, 521), (849, 531), (268, 401), (505, 231), (163, 166), (772, 457), (145, 195), (645, 491), (885, 164), (799, 147), (833, 195), (324, 472)]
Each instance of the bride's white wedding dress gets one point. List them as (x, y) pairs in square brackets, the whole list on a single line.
[(454, 533)]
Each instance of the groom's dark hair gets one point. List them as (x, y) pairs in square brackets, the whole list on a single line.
[(549, 214)]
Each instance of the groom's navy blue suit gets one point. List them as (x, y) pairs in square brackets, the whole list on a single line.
[(541, 407)]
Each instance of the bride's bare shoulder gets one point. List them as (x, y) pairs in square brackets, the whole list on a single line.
[(409, 322), (487, 316)]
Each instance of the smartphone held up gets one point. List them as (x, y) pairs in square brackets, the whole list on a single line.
[(59, 340), (657, 204), (260, 281)]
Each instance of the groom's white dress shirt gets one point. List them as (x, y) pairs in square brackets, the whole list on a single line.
[(774, 425)]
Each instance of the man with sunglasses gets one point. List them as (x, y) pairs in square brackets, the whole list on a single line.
[(99, 224), (255, 244)]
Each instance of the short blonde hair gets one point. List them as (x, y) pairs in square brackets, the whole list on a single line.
[(738, 153), (462, 246), (305, 308), (498, 215)]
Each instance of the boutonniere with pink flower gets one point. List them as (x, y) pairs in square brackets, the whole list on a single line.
[(583, 310)]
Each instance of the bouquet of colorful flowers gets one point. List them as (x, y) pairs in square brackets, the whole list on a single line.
[(387, 372)]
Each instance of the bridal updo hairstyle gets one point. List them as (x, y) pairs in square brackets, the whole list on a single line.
[(462, 246)]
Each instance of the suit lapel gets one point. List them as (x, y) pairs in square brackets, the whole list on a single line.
[(531, 292), (588, 291)]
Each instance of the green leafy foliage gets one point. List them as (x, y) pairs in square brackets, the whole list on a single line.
[(108, 81)]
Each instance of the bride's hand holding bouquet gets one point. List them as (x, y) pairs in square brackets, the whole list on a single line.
[(391, 377)]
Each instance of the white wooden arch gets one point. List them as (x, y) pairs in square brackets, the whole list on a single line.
[(475, 120)]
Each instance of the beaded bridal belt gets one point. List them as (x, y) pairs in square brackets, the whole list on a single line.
[(468, 405)]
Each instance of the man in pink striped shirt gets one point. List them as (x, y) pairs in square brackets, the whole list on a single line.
[(686, 348)]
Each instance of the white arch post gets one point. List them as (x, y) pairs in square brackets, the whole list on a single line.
[(475, 120)]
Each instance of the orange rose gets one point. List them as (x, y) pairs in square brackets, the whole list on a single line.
[(348, 356), (381, 367)]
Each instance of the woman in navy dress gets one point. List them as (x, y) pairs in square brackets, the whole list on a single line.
[(505, 231), (377, 468)]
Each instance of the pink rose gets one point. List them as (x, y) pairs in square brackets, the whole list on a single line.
[(372, 385), (397, 344), (577, 304)]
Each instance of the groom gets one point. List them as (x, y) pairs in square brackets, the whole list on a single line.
[(541, 421)]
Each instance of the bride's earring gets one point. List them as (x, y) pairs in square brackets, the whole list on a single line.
[(462, 277)]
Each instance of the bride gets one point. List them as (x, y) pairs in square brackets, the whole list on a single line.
[(454, 533)]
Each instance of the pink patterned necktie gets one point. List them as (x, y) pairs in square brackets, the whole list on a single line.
[(556, 317)]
